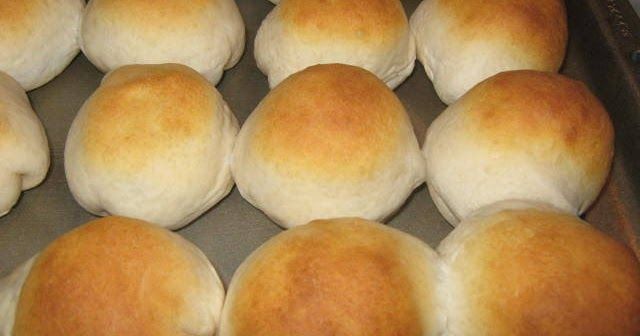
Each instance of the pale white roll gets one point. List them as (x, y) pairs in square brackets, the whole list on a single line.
[(371, 34), (343, 276), (524, 272), (330, 141), (462, 42), (153, 142), (206, 35), (24, 150), (38, 38), (520, 135), (113, 276)]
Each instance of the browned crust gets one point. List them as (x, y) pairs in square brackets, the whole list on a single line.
[(536, 30), (542, 114), (18, 18), (333, 121), (335, 277), (368, 21), (153, 16), (112, 276), (145, 111), (537, 273)]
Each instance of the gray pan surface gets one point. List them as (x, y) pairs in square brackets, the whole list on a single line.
[(602, 41)]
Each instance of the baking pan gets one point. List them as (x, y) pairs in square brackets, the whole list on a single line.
[(601, 52)]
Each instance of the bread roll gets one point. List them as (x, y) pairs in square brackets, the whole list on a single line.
[(520, 135), (462, 42), (153, 142), (371, 34), (335, 277), (535, 272), (207, 35), (118, 276), (10, 293), (38, 38), (24, 150), (329, 141)]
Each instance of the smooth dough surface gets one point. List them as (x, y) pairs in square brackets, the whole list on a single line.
[(339, 277), (206, 35), (463, 42), (38, 38), (24, 149), (119, 276), (330, 141), (520, 135), (538, 272), (153, 142), (372, 34), (10, 287)]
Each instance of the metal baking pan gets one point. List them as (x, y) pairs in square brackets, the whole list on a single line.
[(601, 50)]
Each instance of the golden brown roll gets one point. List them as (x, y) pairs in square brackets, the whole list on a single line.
[(335, 277), (119, 276), (206, 35), (330, 141), (152, 142), (520, 135), (463, 42), (38, 38), (538, 272), (371, 34)]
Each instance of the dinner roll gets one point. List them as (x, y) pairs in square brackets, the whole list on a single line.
[(330, 141), (10, 293), (207, 35), (371, 34), (462, 42), (38, 38), (521, 135), (153, 142), (119, 276), (24, 150), (335, 277), (536, 272)]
